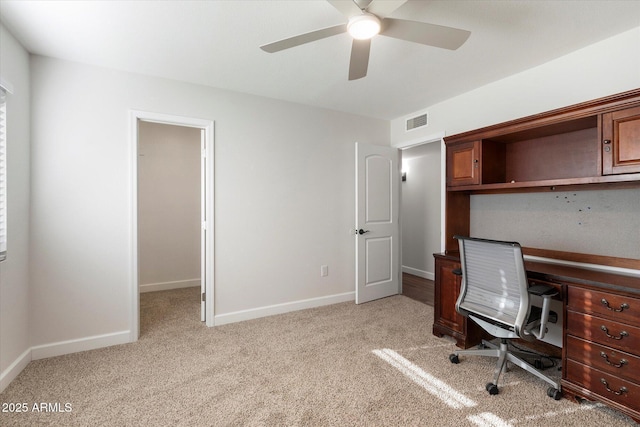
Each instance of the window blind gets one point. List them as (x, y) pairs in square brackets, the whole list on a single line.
[(3, 175)]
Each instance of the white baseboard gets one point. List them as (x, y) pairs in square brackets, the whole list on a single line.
[(81, 344), (58, 349), (165, 286), (14, 369), (255, 313), (419, 273)]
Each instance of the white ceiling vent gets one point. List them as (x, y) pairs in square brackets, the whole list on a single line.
[(417, 122)]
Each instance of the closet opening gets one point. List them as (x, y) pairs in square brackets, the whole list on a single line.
[(172, 241)]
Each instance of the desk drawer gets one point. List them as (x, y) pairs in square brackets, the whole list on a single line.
[(606, 359), (617, 307), (606, 385), (602, 331)]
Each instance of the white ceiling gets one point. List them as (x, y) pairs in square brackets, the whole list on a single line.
[(216, 43)]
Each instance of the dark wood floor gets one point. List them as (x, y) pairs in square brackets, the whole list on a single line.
[(418, 288)]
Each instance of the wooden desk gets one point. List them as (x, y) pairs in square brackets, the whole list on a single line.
[(601, 328)]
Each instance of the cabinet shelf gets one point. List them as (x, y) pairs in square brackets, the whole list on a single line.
[(619, 181)]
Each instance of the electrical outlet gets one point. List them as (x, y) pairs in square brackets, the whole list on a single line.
[(324, 270)]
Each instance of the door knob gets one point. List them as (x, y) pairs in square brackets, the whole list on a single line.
[(361, 231)]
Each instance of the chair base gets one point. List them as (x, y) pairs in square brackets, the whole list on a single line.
[(503, 354)]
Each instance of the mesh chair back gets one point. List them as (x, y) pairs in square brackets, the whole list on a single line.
[(494, 282)]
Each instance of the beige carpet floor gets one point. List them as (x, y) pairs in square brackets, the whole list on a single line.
[(375, 364)]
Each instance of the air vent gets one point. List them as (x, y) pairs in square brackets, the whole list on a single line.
[(417, 122)]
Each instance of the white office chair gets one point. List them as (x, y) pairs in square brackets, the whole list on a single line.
[(495, 294)]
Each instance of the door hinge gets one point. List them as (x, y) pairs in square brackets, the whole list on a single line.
[(204, 225), (204, 298), (204, 153)]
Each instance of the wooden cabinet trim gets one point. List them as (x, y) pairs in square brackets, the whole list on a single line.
[(630, 263), (567, 115)]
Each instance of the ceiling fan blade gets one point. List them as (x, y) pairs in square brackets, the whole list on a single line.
[(384, 8), (347, 7), (423, 33), (359, 59), (304, 38)]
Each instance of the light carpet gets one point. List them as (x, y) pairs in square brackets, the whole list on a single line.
[(375, 364)]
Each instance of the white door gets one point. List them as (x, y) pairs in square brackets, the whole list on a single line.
[(203, 222), (377, 231)]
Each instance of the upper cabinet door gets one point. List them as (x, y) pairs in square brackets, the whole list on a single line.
[(463, 164), (621, 141)]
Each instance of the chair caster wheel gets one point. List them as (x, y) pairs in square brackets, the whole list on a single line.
[(555, 393), (492, 388), (453, 358)]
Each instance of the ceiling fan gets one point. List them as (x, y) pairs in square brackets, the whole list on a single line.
[(368, 18)]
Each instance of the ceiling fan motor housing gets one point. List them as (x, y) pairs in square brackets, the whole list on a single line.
[(363, 27)]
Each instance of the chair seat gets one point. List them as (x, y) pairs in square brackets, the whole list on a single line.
[(489, 313), (495, 329)]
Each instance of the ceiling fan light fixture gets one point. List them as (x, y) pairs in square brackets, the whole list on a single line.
[(363, 27)]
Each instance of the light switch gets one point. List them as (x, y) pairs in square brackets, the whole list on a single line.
[(324, 270)]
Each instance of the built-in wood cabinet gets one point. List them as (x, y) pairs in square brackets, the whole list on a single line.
[(476, 162), (597, 142), (591, 145), (601, 331), (602, 347), (594, 144), (447, 288), (447, 320), (621, 141), (463, 163)]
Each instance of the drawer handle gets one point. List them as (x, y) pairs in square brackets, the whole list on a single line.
[(619, 337), (615, 365), (622, 390), (623, 306)]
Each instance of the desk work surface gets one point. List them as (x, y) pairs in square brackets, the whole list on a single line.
[(580, 276)]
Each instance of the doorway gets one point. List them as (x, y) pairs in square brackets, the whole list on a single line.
[(422, 224), (169, 211), (172, 238)]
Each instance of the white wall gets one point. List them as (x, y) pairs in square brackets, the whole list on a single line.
[(605, 68), (421, 209), (284, 196), (168, 206), (14, 275)]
